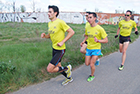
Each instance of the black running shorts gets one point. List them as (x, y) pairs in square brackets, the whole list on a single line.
[(123, 39), (57, 55)]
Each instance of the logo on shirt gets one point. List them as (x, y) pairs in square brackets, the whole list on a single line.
[(51, 32), (91, 36)]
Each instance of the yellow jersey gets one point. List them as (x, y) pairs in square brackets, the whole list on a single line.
[(97, 32), (57, 30), (126, 27)]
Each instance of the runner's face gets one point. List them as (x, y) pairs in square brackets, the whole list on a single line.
[(91, 19), (51, 14), (87, 16), (127, 15)]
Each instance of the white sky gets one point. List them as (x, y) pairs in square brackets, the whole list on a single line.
[(106, 6)]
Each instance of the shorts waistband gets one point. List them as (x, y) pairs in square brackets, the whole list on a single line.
[(124, 36)]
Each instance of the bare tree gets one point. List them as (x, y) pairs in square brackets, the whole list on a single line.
[(1, 5), (17, 9), (7, 7), (33, 5), (96, 10), (38, 9), (14, 7)]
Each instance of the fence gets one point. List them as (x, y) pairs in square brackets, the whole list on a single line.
[(68, 17)]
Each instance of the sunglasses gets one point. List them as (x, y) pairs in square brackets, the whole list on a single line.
[(90, 17), (127, 15)]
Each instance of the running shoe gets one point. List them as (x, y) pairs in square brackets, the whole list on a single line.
[(121, 67), (67, 81), (90, 78), (101, 54), (69, 68), (97, 63), (69, 74)]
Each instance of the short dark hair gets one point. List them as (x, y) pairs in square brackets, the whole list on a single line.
[(94, 14), (129, 11), (55, 9), (88, 12)]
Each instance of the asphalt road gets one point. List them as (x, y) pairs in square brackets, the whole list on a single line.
[(108, 79)]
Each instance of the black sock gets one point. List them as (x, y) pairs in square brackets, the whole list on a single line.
[(63, 73), (61, 69), (65, 68), (121, 65)]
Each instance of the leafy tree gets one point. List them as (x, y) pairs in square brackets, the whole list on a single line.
[(23, 8)]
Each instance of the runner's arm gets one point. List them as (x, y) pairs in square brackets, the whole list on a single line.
[(118, 31), (43, 35), (86, 37), (136, 31), (105, 40), (69, 35)]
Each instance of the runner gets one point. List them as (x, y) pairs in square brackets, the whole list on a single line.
[(95, 35), (56, 32), (84, 46), (125, 28)]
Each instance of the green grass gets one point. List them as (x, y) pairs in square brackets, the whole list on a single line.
[(24, 56)]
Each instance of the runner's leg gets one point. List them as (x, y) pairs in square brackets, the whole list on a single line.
[(92, 64), (125, 46)]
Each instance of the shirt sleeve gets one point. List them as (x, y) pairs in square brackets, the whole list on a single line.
[(134, 24), (120, 24), (103, 33), (64, 26), (86, 31)]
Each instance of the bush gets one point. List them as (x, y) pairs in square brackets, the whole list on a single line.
[(6, 68)]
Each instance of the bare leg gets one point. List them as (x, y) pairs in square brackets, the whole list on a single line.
[(92, 64), (120, 47), (87, 60), (125, 46), (52, 68)]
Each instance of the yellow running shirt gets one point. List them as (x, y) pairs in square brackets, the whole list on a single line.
[(57, 30), (96, 31), (126, 27)]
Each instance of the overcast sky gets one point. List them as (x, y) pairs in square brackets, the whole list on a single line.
[(106, 6)]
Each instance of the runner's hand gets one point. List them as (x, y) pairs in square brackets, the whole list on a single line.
[(81, 44), (136, 32), (95, 39), (43, 35), (60, 44), (116, 36)]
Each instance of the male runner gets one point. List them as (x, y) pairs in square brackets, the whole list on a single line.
[(95, 35), (56, 32), (84, 46), (125, 28)]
